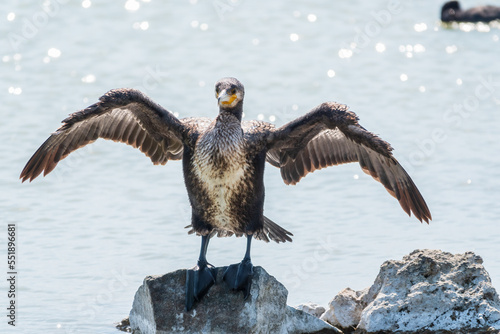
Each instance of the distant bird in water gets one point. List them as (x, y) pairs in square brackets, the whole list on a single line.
[(223, 163), (451, 12)]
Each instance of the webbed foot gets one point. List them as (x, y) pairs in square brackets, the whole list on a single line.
[(198, 281), (239, 276)]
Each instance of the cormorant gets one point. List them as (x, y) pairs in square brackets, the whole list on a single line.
[(223, 162), (451, 12)]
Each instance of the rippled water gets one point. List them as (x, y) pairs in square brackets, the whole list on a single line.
[(106, 217)]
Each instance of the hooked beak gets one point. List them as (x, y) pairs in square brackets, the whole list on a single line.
[(224, 99)]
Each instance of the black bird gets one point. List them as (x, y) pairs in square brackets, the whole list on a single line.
[(223, 162), (451, 12)]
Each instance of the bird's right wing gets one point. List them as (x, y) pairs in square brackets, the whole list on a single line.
[(123, 115)]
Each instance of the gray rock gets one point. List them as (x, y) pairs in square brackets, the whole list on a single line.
[(429, 290), (159, 307), (311, 308), (345, 308)]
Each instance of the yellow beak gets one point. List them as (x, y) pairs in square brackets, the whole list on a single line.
[(225, 99)]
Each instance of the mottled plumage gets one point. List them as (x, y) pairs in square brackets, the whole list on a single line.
[(223, 161)]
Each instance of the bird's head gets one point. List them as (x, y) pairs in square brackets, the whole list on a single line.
[(229, 93), (449, 11)]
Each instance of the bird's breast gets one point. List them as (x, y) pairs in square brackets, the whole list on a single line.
[(221, 167), (220, 156)]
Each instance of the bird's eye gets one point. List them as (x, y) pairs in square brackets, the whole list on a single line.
[(232, 91)]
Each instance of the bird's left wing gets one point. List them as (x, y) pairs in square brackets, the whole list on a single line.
[(330, 135), (124, 115)]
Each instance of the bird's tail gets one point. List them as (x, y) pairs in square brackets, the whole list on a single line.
[(273, 231), (270, 231)]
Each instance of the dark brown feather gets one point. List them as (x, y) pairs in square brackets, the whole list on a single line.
[(340, 139), (123, 115)]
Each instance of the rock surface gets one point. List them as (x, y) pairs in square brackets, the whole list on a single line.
[(429, 290), (345, 308), (159, 307), (311, 308)]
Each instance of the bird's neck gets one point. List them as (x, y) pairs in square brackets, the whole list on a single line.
[(234, 113)]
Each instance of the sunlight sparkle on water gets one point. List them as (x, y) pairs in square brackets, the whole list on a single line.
[(89, 78), (144, 25), (86, 3), (418, 48), (15, 90), (311, 18), (330, 73), (132, 5), (451, 49), (54, 53), (345, 53), (403, 77), (482, 27), (419, 27), (380, 47), (465, 26), (11, 16), (294, 37)]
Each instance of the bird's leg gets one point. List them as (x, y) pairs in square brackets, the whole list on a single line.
[(239, 275), (200, 278)]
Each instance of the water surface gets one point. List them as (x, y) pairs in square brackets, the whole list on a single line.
[(106, 217)]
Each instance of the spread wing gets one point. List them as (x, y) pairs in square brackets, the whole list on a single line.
[(123, 115), (330, 135)]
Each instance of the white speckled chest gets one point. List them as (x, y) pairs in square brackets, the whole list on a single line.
[(221, 167)]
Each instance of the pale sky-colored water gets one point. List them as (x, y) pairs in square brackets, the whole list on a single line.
[(106, 217)]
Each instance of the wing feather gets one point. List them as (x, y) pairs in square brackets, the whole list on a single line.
[(122, 115), (330, 135), (133, 133)]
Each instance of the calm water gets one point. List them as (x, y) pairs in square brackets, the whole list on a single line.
[(106, 217)]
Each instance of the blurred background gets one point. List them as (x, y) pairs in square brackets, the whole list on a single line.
[(105, 218)]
